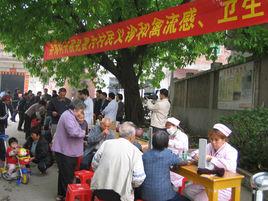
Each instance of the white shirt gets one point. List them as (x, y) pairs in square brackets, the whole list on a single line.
[(110, 110), (225, 157), (118, 169), (160, 112), (89, 111), (178, 142)]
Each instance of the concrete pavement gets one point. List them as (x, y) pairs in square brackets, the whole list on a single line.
[(43, 188)]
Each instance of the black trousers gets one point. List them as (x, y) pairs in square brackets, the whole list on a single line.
[(155, 129), (21, 121), (43, 164), (86, 161), (66, 167), (27, 126), (2, 143), (107, 195), (2, 150)]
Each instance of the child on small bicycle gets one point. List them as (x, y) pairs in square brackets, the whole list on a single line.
[(11, 156)]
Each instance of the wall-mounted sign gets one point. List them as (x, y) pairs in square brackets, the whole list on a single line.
[(236, 87)]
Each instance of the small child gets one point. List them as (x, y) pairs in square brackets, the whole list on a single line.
[(11, 155)]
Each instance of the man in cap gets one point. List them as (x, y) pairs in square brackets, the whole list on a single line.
[(221, 155), (56, 107)]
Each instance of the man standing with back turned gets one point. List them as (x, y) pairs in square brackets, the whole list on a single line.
[(159, 110)]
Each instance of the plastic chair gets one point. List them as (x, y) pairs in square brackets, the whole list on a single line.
[(78, 191), (184, 180), (83, 175)]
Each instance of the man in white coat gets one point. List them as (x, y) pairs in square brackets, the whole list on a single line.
[(110, 110), (220, 154), (89, 111), (159, 110), (118, 167)]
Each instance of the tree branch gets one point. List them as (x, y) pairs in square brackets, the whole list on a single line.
[(137, 8), (138, 55), (157, 5), (140, 68), (185, 1), (108, 64), (59, 17), (140, 50)]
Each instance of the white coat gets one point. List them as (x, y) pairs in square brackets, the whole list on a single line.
[(89, 112), (178, 142), (160, 112), (225, 157), (110, 110)]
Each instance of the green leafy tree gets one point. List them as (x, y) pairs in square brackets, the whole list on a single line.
[(26, 25)]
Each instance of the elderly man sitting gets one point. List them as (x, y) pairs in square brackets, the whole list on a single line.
[(96, 137), (118, 167)]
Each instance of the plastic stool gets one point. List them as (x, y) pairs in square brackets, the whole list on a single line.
[(184, 180), (80, 191), (83, 175)]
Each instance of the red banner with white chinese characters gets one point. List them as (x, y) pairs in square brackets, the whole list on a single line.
[(191, 19)]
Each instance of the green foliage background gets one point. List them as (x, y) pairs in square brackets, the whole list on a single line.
[(26, 25), (250, 137)]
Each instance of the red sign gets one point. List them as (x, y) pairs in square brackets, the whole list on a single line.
[(195, 18)]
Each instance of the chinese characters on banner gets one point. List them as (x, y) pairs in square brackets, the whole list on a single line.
[(191, 19)]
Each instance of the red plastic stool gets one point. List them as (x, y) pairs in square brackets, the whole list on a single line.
[(183, 185), (80, 191), (83, 175)]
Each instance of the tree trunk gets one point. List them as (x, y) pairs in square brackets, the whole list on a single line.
[(133, 105), (125, 73)]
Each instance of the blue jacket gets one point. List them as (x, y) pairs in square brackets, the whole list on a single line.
[(95, 136), (157, 185)]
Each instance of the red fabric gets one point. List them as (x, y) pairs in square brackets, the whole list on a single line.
[(34, 123), (11, 159), (79, 160), (6, 98), (190, 19), (183, 185)]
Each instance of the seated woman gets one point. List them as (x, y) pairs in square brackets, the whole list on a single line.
[(178, 143), (157, 162), (40, 151), (220, 154)]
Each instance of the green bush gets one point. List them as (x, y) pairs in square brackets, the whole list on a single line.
[(250, 137)]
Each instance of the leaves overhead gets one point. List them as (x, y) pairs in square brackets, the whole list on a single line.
[(26, 25)]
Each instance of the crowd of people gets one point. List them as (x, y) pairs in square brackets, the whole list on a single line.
[(59, 129)]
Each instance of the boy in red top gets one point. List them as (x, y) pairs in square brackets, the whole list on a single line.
[(11, 155)]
